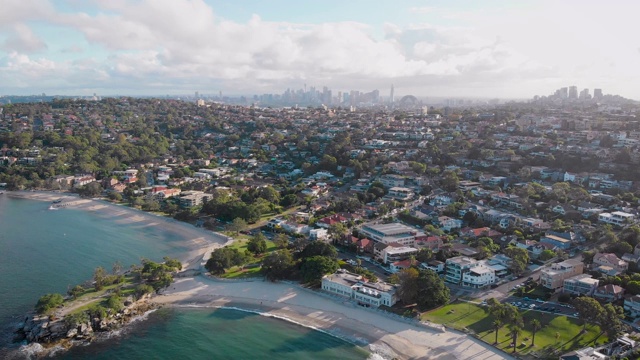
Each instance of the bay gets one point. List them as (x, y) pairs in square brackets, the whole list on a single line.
[(45, 251)]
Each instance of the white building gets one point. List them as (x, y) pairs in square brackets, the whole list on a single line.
[(400, 193), (355, 287), (618, 218), (392, 254), (391, 180), (394, 232), (478, 276), (318, 234)]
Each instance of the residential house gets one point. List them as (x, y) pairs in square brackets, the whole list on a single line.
[(479, 277), (610, 260), (609, 293), (434, 265), (447, 224), (400, 193), (632, 306), (556, 241)]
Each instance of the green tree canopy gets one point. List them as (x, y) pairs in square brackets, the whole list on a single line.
[(315, 267)]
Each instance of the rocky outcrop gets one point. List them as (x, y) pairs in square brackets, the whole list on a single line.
[(50, 331)]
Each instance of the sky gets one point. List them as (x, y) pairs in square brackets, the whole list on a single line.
[(449, 48)]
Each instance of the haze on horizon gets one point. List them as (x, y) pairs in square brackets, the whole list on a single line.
[(439, 48)]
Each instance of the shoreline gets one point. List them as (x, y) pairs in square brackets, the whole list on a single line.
[(199, 241), (378, 333)]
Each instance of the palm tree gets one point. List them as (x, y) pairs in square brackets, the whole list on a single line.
[(497, 324), (535, 325), (515, 331)]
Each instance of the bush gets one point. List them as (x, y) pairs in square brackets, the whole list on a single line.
[(48, 302)]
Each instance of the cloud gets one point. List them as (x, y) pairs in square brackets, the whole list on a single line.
[(23, 40), (162, 47)]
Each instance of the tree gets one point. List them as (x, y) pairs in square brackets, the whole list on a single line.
[(424, 255), (277, 265), (143, 289), (48, 302), (99, 276), (450, 180), (223, 258), (76, 291), (633, 287), (519, 259), (408, 285), (237, 225), (337, 230), (257, 244), (497, 325), (289, 200), (589, 310), (315, 267), (610, 320), (281, 240), (546, 255), (319, 248), (535, 326), (515, 331)]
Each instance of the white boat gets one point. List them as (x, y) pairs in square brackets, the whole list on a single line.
[(53, 207)]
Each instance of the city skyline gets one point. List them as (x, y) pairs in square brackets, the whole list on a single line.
[(423, 48)]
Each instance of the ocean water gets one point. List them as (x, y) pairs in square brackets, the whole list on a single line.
[(217, 334), (44, 251)]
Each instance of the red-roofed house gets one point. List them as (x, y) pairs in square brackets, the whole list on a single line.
[(399, 265), (326, 222), (365, 245), (609, 293)]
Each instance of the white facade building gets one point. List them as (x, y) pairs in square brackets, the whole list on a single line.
[(354, 287)]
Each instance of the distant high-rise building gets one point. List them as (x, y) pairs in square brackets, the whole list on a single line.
[(564, 93), (197, 95), (573, 92), (597, 94), (391, 99), (584, 94)]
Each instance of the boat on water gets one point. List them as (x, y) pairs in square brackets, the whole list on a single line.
[(56, 201), (52, 207)]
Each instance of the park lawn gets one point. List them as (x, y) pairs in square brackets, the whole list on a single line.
[(241, 241), (239, 273), (476, 319)]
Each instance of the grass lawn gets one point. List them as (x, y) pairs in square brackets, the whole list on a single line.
[(475, 318), (237, 272)]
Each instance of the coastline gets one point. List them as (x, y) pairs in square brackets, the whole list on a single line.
[(379, 333), (200, 242), (389, 337)]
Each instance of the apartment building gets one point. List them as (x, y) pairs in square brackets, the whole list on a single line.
[(394, 232), (468, 272), (582, 284), (553, 278)]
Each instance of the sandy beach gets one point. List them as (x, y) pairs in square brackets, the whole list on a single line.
[(375, 331), (378, 332)]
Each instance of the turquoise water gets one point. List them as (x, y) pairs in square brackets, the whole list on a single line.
[(218, 334), (43, 251)]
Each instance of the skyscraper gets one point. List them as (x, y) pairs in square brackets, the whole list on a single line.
[(391, 95), (597, 94), (573, 92)]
